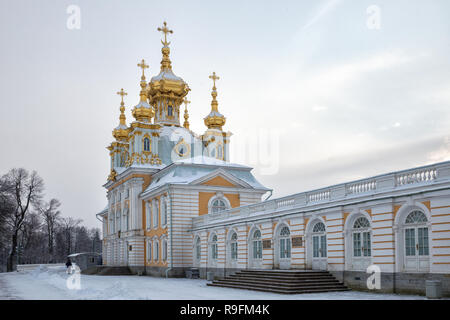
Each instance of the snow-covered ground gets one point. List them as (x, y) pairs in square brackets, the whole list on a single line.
[(50, 282)]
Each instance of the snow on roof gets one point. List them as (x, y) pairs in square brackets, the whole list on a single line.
[(185, 174), (210, 161), (142, 104), (166, 74)]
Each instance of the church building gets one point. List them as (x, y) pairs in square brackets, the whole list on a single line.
[(176, 202)]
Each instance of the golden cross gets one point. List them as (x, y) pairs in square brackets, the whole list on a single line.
[(143, 66), (122, 94), (165, 30), (214, 78), (186, 101)]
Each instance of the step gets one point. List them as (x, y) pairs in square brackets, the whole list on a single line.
[(286, 272), (280, 290), (269, 274), (275, 285), (114, 271), (264, 277), (293, 283), (283, 286), (281, 280)]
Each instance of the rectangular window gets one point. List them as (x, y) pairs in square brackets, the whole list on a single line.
[(315, 246), (164, 250), (149, 251), (366, 244), (357, 244), (214, 251), (198, 252), (423, 241), (282, 249), (234, 251), (410, 242), (323, 246), (257, 249), (288, 248)]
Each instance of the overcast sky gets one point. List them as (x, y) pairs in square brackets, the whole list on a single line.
[(342, 100)]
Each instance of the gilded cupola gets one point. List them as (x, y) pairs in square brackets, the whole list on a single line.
[(166, 91), (143, 112), (214, 120), (121, 131)]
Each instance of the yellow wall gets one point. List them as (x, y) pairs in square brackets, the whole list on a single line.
[(204, 197), (219, 181)]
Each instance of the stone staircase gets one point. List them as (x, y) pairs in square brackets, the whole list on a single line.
[(108, 271), (282, 281)]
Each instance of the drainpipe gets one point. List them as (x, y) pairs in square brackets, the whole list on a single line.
[(171, 233)]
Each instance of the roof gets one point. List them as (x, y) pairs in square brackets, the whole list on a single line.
[(192, 170), (204, 160)]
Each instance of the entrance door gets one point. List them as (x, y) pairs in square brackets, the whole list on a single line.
[(416, 249), (256, 250), (284, 249), (319, 260), (416, 242), (361, 250)]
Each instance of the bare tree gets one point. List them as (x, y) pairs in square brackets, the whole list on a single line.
[(51, 215), (24, 190), (68, 226)]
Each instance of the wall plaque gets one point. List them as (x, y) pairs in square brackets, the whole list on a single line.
[(267, 244), (297, 242)]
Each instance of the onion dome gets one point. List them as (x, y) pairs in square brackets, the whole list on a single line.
[(143, 111), (166, 90), (121, 131), (214, 120)]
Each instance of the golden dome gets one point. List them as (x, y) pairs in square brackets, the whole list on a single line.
[(143, 111), (121, 131), (214, 120), (166, 91)]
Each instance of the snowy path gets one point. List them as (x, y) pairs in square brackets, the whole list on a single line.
[(50, 283)]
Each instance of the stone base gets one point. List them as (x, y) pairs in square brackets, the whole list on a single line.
[(402, 283)]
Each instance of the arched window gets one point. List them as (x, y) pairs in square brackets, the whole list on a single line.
[(148, 215), (285, 243), (257, 245), (416, 217), (164, 250), (149, 250), (156, 250), (218, 205), (170, 111), (111, 223), (146, 144), (198, 249), (118, 221), (214, 252), (362, 246), (163, 211), (319, 240), (155, 213), (220, 151), (234, 246), (319, 227), (125, 220)]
